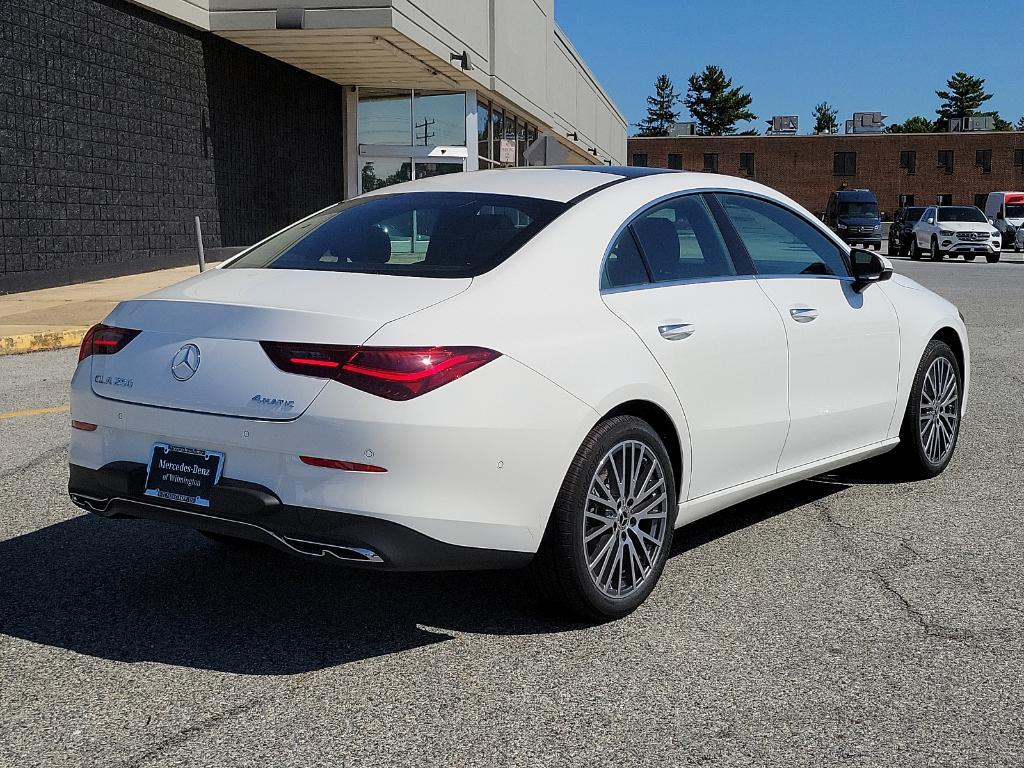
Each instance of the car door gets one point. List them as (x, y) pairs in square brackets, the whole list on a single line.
[(844, 345), (922, 229), (720, 341)]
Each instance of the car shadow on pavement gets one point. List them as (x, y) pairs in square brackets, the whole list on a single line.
[(139, 591)]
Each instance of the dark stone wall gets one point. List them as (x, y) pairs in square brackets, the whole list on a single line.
[(118, 126)]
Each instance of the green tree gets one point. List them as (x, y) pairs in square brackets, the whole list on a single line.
[(715, 104), (1020, 124), (749, 132), (660, 109), (916, 124), (965, 95), (826, 118)]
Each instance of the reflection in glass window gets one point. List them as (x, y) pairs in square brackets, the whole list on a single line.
[(483, 134), (681, 241), (444, 234), (439, 119), (780, 242), (624, 266), (497, 132), (383, 172), (385, 116)]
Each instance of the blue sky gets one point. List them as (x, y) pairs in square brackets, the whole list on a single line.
[(789, 56)]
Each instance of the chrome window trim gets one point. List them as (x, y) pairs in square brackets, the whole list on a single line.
[(844, 248)]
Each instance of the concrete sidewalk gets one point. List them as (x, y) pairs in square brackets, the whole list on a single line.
[(54, 318)]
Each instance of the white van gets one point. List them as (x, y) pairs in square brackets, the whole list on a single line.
[(1006, 210)]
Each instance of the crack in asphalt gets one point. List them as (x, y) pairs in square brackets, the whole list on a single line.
[(193, 730), (883, 575), (34, 461)]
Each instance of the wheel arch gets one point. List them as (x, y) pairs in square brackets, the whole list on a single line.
[(663, 424), (949, 336)]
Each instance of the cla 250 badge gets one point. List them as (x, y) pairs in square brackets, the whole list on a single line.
[(272, 402), (113, 381)]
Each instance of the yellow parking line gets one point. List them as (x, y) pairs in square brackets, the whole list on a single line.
[(35, 412)]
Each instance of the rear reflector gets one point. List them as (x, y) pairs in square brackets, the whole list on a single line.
[(395, 373), (85, 426), (347, 466), (105, 340)]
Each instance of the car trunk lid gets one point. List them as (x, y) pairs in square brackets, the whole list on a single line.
[(199, 348)]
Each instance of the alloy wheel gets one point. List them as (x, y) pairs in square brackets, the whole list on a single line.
[(939, 410), (625, 518)]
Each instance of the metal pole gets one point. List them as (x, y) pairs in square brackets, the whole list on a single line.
[(199, 239)]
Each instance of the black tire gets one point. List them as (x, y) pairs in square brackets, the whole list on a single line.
[(992, 258), (935, 253), (560, 570), (915, 250), (911, 459)]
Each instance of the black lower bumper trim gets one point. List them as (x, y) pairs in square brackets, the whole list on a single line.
[(249, 511)]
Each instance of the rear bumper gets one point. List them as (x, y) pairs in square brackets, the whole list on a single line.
[(250, 511)]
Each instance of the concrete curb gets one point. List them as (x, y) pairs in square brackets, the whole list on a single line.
[(38, 342)]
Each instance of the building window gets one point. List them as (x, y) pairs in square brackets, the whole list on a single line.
[(385, 117), (675, 162), (983, 159), (946, 160), (908, 161), (483, 133), (711, 162), (640, 159), (905, 201), (944, 199), (844, 164), (1018, 158), (980, 200), (747, 163)]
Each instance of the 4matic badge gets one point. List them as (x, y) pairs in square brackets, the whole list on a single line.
[(272, 402)]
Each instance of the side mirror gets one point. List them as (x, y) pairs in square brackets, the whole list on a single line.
[(931, 219), (868, 268), (992, 222)]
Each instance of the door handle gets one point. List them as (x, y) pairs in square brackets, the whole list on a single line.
[(676, 331), (803, 314)]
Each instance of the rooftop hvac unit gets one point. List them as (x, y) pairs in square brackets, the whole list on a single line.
[(972, 123), (682, 129), (866, 122), (784, 125)]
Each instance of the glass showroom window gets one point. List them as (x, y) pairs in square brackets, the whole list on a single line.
[(409, 134)]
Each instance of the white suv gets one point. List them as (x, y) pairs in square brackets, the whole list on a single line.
[(956, 230)]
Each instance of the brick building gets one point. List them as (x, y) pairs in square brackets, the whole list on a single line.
[(123, 120), (913, 168)]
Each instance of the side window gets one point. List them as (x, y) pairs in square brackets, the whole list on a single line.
[(780, 242), (680, 241), (624, 266)]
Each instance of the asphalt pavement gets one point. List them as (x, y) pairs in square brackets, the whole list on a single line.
[(841, 621)]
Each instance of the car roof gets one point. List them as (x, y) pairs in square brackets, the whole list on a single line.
[(558, 183), (570, 184)]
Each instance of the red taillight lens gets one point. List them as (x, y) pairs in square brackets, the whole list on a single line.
[(105, 340), (395, 373), (345, 466)]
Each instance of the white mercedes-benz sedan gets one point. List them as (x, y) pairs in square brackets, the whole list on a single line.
[(548, 367)]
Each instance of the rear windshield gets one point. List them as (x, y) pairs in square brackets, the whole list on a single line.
[(425, 234), (961, 213), (913, 214), (1015, 211), (858, 209)]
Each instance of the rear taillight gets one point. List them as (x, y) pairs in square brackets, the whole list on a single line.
[(396, 373), (105, 340)]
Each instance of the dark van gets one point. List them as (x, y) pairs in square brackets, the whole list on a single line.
[(853, 215)]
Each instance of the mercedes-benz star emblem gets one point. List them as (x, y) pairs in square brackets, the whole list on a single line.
[(185, 362)]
